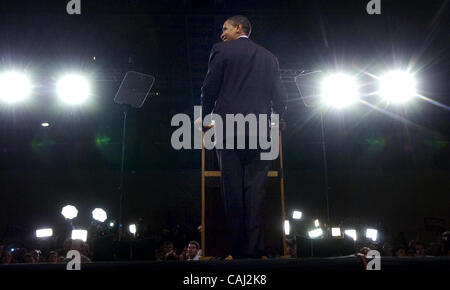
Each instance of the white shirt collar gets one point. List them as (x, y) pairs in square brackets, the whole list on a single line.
[(196, 258), (243, 36)]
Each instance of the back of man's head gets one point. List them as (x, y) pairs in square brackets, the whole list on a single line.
[(242, 20)]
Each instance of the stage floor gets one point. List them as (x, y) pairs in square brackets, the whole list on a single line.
[(347, 263)]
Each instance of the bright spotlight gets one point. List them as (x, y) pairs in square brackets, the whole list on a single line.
[(351, 233), (14, 87), (397, 87), (371, 234), (336, 232), (316, 223), (73, 89), (111, 224), (314, 234), (297, 215), (69, 212), (79, 235), (287, 228), (44, 233), (99, 214), (339, 90), (45, 124), (132, 229)]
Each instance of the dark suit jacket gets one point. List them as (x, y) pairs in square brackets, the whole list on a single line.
[(242, 77)]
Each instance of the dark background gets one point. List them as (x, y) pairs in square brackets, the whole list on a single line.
[(388, 168)]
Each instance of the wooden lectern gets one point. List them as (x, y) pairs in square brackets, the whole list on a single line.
[(213, 229)]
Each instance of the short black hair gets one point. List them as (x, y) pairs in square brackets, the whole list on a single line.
[(419, 243), (239, 19), (399, 247)]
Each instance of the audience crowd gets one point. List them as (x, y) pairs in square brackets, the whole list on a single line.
[(171, 251)]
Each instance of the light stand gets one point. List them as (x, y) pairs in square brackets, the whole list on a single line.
[(307, 84)]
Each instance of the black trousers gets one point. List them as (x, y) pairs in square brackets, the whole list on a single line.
[(243, 176)]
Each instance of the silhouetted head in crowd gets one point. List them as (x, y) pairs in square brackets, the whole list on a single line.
[(67, 244), (77, 245), (193, 249), (388, 250), (28, 258), (36, 255), (420, 249), (364, 250), (411, 252), (19, 255), (376, 247), (84, 249), (291, 249), (167, 247), (183, 254), (400, 251), (7, 257), (52, 257), (167, 251), (445, 241), (434, 249)]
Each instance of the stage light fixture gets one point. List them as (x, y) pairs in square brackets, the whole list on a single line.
[(351, 233), (79, 235), (372, 234), (44, 233), (316, 233), (287, 228), (336, 232), (69, 212), (73, 89), (111, 224), (297, 215), (99, 214), (45, 124), (14, 87), (339, 90), (397, 87), (316, 223), (132, 229)]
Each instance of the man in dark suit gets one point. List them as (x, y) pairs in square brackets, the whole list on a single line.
[(242, 78)]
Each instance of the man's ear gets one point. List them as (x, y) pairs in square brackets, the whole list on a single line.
[(239, 28)]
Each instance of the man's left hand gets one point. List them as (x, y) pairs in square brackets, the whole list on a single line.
[(199, 124)]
